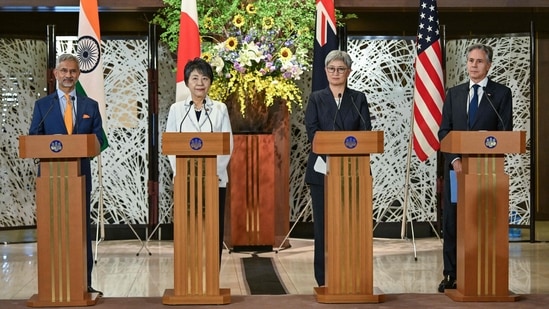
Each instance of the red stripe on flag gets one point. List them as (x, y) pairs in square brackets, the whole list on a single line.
[(189, 44), (429, 86), (427, 123), (325, 19)]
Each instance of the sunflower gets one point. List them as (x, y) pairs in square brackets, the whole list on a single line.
[(239, 21), (208, 23), (285, 54), (303, 31), (267, 23), (231, 43), (250, 8), (206, 56)]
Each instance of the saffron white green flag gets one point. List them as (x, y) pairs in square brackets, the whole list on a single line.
[(91, 82)]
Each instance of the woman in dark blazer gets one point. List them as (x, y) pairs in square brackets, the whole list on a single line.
[(335, 108)]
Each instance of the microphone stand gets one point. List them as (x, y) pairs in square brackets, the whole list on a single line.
[(208, 115), (339, 95), (488, 95), (186, 114)]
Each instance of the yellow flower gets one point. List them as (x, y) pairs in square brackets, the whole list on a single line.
[(268, 23), (239, 21), (250, 8), (208, 23), (285, 54), (231, 43), (206, 56)]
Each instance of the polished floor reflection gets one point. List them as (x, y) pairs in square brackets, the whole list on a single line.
[(398, 268)]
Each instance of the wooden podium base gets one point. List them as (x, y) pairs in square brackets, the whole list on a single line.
[(322, 296), (223, 298), (456, 295), (90, 300)]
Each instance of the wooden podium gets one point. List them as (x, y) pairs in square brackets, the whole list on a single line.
[(348, 215), (483, 213), (61, 218), (196, 217)]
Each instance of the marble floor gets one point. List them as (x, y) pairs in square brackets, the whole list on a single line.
[(120, 272)]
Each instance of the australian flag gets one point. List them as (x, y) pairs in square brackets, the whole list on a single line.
[(325, 41)]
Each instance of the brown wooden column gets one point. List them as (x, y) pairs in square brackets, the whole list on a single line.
[(348, 216), (61, 218), (196, 218), (483, 214)]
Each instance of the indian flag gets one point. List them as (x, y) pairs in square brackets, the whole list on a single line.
[(188, 47), (91, 82)]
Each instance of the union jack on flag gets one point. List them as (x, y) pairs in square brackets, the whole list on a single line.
[(326, 40), (429, 82)]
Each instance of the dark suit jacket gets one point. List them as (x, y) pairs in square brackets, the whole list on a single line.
[(47, 119), (321, 115), (454, 111)]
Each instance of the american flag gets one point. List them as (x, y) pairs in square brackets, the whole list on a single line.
[(429, 82), (325, 41)]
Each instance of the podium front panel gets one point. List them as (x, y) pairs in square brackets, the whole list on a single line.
[(59, 146), (196, 144), (349, 143), (484, 142)]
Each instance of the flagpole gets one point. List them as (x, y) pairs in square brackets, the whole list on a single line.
[(407, 188), (407, 192), (99, 237)]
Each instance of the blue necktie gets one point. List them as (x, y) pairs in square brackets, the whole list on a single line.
[(473, 105)]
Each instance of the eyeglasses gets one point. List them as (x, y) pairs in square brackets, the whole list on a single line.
[(339, 70), (66, 71)]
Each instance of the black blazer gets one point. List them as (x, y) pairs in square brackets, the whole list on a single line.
[(321, 115), (455, 117)]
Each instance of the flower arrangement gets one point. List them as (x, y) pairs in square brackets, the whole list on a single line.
[(258, 48)]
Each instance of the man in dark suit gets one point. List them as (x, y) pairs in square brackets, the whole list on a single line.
[(84, 117), (335, 108), (490, 108)]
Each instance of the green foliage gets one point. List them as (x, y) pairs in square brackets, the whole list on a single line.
[(299, 14), (258, 48)]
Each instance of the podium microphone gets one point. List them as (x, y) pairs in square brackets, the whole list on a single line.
[(44, 118), (359, 114), (186, 114), (488, 96), (339, 95), (208, 115)]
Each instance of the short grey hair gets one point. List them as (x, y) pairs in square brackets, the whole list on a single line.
[(485, 48), (67, 57), (338, 55)]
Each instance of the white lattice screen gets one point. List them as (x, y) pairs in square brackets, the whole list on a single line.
[(22, 81), (511, 67), (383, 69)]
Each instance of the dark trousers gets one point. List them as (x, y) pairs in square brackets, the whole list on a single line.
[(89, 238), (317, 197), (222, 197), (449, 230)]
